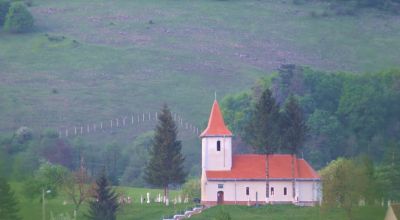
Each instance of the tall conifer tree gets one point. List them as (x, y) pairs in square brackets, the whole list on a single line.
[(294, 131), (8, 203), (166, 160), (263, 128), (104, 205)]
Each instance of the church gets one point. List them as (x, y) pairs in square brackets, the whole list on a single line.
[(249, 179)]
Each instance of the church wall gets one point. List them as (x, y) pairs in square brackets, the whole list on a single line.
[(278, 194), (213, 159), (308, 190)]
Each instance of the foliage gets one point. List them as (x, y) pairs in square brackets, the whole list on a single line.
[(166, 160), (8, 203), (48, 177), (262, 130), (18, 19), (138, 156), (346, 114), (345, 182), (77, 186), (388, 173), (4, 6), (192, 188), (293, 126), (104, 205)]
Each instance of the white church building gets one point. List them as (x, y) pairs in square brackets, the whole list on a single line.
[(242, 179)]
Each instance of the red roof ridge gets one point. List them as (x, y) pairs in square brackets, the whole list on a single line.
[(216, 125)]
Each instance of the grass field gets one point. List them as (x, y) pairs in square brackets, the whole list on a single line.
[(32, 209), (90, 61), (288, 212)]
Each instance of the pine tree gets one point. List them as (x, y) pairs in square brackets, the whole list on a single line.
[(293, 126), (104, 205), (263, 128), (8, 203), (294, 131), (166, 160)]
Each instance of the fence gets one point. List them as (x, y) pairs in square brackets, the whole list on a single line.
[(125, 121)]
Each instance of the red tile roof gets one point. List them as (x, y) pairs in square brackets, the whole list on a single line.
[(253, 166), (216, 125)]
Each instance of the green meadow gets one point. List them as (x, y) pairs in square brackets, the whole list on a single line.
[(32, 209), (289, 212)]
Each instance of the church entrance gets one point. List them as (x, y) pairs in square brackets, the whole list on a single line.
[(220, 197)]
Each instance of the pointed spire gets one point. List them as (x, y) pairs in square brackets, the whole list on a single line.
[(216, 125)]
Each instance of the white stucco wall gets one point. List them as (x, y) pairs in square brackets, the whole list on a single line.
[(235, 191), (213, 159), (279, 195), (307, 191)]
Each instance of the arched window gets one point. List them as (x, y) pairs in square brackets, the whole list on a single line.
[(285, 191), (218, 145)]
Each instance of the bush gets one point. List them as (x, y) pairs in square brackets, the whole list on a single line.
[(4, 7), (192, 188), (18, 19)]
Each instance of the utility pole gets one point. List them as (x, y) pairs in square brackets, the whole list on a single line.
[(43, 206)]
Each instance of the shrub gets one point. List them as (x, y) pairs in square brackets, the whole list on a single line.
[(4, 6), (18, 19), (192, 188)]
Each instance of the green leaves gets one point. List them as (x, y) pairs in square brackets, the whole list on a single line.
[(18, 19), (8, 203)]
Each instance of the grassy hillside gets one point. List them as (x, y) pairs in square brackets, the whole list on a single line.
[(89, 61), (286, 212), (32, 209)]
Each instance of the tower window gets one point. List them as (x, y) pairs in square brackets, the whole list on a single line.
[(272, 191), (285, 191), (218, 145), (247, 191)]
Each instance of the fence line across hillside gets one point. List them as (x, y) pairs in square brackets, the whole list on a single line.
[(125, 121)]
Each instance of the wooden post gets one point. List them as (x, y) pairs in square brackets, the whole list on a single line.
[(117, 122), (143, 116), (66, 132), (75, 130), (81, 130), (156, 116), (132, 118), (101, 125), (149, 116)]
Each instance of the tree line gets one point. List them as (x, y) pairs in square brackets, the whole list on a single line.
[(347, 123)]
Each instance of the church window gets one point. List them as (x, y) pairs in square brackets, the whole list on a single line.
[(272, 191), (220, 186), (285, 191), (247, 190), (218, 145)]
